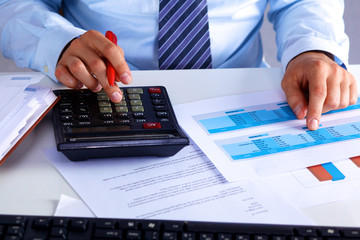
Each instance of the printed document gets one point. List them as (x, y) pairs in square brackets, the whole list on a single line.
[(22, 105), (186, 186), (257, 134)]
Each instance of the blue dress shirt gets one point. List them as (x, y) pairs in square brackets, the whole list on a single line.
[(33, 34)]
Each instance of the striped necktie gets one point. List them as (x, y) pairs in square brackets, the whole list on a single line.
[(184, 41)]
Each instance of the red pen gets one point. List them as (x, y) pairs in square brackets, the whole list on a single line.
[(110, 71)]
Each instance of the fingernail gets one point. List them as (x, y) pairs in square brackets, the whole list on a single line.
[(125, 78), (116, 97), (98, 88), (80, 85), (297, 110), (313, 124)]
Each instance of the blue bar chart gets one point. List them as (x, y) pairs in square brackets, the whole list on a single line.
[(329, 173)]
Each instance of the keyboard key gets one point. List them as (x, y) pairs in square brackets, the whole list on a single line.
[(307, 231), (128, 225), (206, 236), (330, 232), (151, 226), (79, 225), (151, 235), (58, 233), (15, 231), (224, 236), (41, 223), (188, 236), (242, 237), (60, 222), (173, 226), (133, 234), (107, 224), (352, 233), (108, 234), (169, 236)]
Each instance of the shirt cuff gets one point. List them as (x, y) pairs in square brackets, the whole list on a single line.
[(306, 45), (50, 46)]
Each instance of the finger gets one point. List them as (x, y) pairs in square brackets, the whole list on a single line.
[(112, 53), (78, 69), (64, 76), (317, 96), (345, 92), (353, 98), (333, 93), (294, 95)]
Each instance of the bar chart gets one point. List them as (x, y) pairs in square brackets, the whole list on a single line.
[(329, 173)]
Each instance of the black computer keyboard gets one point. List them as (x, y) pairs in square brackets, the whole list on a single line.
[(45, 227)]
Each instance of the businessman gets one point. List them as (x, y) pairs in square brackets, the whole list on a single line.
[(71, 47)]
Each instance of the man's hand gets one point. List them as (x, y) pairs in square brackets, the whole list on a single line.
[(84, 63), (315, 84)]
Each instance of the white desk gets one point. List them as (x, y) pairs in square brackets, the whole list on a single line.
[(29, 184)]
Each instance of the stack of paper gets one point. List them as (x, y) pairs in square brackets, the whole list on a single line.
[(22, 106)]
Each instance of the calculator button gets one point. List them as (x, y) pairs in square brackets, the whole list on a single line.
[(124, 121), (82, 104), (135, 91), (105, 110), (121, 109), (65, 105), (139, 115), (154, 90), (160, 108), (102, 97), (162, 114), (151, 125), (84, 123), (135, 102), (123, 115), (66, 118), (137, 108), (122, 103), (104, 104), (158, 101), (155, 95), (65, 111), (106, 116), (83, 110), (83, 117), (134, 96)]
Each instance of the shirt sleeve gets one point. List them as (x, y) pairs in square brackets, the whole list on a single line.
[(306, 25), (33, 34)]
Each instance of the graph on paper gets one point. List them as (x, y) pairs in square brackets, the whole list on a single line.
[(253, 116), (329, 173)]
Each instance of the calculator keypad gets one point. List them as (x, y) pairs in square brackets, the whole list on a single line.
[(140, 108)]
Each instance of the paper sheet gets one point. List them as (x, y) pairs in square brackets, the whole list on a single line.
[(257, 134), (186, 186), (71, 207)]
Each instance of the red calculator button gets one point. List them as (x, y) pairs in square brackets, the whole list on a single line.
[(154, 90), (153, 125)]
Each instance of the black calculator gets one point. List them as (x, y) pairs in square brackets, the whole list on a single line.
[(88, 125)]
